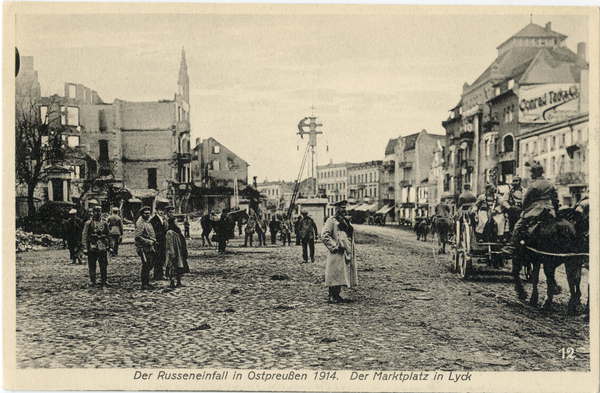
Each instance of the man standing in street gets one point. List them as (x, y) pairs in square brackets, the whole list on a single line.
[(261, 229), (115, 226), (250, 228), (297, 230), (159, 224), (145, 245), (73, 231), (273, 228), (95, 240), (176, 249), (307, 232), (338, 237)]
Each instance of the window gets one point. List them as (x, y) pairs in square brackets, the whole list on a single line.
[(72, 141), (526, 148), (508, 144), (101, 120), (534, 149), (152, 178), (215, 165), (544, 146), (487, 147), (44, 115), (552, 165), (511, 83), (216, 150), (103, 144), (63, 115), (72, 91), (563, 141), (73, 115), (553, 144)]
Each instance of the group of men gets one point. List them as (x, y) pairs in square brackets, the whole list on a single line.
[(523, 209), (161, 247)]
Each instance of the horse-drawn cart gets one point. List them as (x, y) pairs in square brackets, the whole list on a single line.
[(473, 251)]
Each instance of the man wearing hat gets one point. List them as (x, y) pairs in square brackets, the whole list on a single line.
[(115, 226), (515, 201), (73, 229), (95, 241), (338, 237), (541, 199), (490, 207), (307, 230), (145, 245), (160, 225)]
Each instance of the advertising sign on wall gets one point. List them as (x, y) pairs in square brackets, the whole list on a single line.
[(548, 103)]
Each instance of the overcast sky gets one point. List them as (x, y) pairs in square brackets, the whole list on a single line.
[(254, 77)]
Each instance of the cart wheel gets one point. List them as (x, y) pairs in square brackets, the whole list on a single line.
[(527, 270), (464, 263)]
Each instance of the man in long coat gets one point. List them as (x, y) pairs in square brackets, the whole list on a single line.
[(338, 237), (159, 224), (176, 250), (73, 232)]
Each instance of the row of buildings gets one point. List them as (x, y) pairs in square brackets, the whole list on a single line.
[(530, 104), (142, 148)]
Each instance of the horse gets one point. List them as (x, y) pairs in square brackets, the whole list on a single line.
[(421, 228), (442, 227), (551, 236)]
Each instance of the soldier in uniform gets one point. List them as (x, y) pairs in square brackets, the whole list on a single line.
[(145, 245), (95, 240), (115, 226), (338, 237), (541, 199), (515, 201)]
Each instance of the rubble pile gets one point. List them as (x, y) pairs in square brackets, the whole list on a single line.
[(26, 241)]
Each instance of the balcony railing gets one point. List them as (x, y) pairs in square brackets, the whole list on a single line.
[(405, 183)]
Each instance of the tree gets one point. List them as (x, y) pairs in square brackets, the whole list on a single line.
[(39, 143)]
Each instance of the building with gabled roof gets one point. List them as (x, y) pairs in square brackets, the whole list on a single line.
[(534, 55)]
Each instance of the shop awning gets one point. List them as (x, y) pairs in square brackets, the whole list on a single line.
[(354, 207), (384, 210), (367, 208)]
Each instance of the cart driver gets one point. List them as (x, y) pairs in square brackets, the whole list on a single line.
[(490, 202)]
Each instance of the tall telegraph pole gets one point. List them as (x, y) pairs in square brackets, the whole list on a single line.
[(312, 143)]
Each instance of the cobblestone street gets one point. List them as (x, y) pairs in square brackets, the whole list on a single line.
[(261, 308)]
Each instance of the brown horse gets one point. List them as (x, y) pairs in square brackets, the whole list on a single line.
[(554, 242), (442, 227)]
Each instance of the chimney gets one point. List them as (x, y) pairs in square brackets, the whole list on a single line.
[(549, 26), (581, 51), (197, 141)]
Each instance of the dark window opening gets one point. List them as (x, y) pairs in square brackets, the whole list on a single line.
[(57, 190), (103, 150), (152, 178), (508, 144)]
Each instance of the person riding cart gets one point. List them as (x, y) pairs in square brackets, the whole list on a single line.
[(490, 207), (539, 203), (515, 200)]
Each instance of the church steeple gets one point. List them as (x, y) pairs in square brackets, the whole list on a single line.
[(184, 80)]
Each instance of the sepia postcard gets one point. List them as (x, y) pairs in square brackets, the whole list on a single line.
[(280, 197)]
